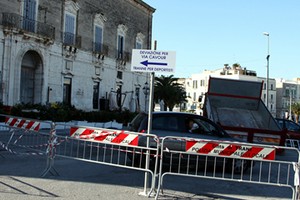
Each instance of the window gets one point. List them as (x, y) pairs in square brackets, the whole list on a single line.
[(120, 46), (122, 29), (139, 41), (98, 38), (96, 95), (71, 9), (271, 86), (137, 96), (67, 90), (119, 75), (202, 82), (29, 14), (138, 45), (69, 34), (165, 123), (195, 84), (287, 92)]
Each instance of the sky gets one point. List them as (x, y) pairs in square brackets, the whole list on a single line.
[(206, 34)]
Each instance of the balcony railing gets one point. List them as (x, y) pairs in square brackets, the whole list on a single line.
[(71, 39), (100, 48), (12, 20), (123, 55)]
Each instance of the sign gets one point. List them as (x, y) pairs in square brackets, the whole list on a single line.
[(231, 150), (22, 124), (153, 61), (105, 136)]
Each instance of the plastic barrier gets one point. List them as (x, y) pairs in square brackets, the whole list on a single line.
[(229, 161)]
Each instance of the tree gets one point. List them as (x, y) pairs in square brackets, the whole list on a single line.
[(167, 88), (296, 110)]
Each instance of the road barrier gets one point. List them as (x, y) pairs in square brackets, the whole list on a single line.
[(24, 134), (116, 148), (229, 161), (220, 160)]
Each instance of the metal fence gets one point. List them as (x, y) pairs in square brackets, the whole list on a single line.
[(21, 134), (116, 148), (220, 160), (229, 161)]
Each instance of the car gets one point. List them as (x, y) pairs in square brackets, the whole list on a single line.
[(187, 125), (292, 128)]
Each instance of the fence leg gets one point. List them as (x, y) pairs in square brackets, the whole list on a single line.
[(51, 149)]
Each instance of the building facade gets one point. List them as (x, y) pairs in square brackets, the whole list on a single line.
[(197, 86), (288, 92), (76, 52)]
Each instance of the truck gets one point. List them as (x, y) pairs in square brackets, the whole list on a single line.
[(237, 107)]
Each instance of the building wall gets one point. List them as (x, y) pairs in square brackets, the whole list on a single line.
[(78, 62)]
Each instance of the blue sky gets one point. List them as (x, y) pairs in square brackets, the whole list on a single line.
[(206, 34)]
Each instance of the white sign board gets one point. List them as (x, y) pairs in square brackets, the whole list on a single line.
[(153, 61)]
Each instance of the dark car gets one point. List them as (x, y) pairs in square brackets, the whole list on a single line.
[(186, 125), (293, 129)]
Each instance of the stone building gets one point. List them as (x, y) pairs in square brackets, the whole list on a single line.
[(71, 51)]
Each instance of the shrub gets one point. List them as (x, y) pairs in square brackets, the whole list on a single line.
[(60, 112)]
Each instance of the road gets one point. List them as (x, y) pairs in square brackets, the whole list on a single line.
[(20, 178)]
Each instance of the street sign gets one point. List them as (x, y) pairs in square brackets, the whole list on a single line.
[(144, 60)]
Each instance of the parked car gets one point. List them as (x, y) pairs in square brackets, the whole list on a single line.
[(188, 125), (293, 129)]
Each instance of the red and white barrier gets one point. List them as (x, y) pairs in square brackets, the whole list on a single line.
[(22, 124), (230, 150), (105, 136)]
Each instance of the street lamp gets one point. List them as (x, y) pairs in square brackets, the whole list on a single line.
[(267, 82), (146, 90)]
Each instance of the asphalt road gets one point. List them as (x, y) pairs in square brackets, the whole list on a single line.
[(20, 178)]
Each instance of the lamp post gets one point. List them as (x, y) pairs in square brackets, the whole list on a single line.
[(290, 112), (290, 109), (146, 90), (268, 57)]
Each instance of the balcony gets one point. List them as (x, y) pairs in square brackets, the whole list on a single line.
[(100, 48), (18, 22), (123, 56), (71, 39)]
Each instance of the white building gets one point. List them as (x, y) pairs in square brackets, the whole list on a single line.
[(288, 92), (75, 52)]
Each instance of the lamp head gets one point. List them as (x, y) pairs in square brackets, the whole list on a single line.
[(266, 33)]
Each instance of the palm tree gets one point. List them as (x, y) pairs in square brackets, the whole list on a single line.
[(296, 110), (167, 88)]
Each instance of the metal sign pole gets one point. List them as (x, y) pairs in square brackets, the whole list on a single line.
[(150, 108)]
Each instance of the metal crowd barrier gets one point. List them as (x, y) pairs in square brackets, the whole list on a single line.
[(22, 136), (229, 161), (117, 148)]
